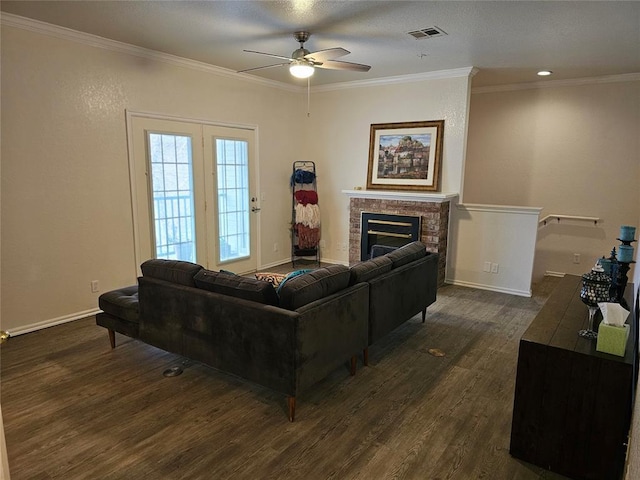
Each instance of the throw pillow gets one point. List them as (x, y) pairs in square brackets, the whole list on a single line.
[(273, 278), (291, 275)]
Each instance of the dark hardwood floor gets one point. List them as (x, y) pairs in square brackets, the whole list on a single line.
[(75, 409)]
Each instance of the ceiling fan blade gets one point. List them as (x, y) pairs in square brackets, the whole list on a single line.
[(260, 68), (338, 65), (269, 55), (327, 54)]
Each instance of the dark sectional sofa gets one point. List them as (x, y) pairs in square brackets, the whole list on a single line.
[(286, 340)]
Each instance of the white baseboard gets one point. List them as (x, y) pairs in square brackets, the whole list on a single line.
[(53, 321), (492, 288)]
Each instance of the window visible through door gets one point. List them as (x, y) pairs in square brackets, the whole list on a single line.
[(172, 194), (233, 199)]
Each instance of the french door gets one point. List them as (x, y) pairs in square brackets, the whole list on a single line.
[(194, 192), (230, 188)]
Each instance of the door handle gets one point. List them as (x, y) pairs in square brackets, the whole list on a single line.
[(255, 209)]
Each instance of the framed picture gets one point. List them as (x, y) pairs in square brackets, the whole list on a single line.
[(405, 156)]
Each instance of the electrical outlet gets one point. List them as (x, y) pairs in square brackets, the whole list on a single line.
[(487, 267), (275, 247), (494, 268), (95, 286), (323, 244), (576, 258)]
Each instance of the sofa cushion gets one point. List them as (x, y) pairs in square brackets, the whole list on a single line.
[(365, 271), (121, 303), (237, 286), (407, 253), (175, 271), (314, 285)]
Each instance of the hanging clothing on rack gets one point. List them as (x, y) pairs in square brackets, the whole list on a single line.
[(302, 176), (308, 215), (306, 196), (305, 213), (307, 237)]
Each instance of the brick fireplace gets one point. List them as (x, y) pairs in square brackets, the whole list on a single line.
[(433, 209)]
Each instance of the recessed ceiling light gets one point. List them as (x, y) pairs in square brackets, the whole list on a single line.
[(544, 73)]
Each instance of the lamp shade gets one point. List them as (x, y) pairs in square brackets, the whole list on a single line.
[(301, 69)]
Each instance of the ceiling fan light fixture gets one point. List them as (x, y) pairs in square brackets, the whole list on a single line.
[(301, 69)]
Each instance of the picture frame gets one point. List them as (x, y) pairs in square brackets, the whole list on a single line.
[(405, 156)]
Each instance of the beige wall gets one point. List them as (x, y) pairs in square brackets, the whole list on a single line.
[(570, 149), (66, 204), (338, 129)]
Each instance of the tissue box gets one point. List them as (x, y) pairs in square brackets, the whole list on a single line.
[(612, 339)]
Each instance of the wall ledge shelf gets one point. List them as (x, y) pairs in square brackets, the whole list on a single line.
[(406, 196), (474, 207), (548, 218)]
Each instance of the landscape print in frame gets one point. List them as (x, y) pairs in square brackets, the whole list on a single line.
[(405, 156)]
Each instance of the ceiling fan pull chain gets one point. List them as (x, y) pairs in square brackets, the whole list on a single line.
[(308, 97)]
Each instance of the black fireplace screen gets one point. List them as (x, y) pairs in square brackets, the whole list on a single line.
[(388, 230)]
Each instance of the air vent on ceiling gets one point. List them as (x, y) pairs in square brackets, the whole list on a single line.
[(428, 32)]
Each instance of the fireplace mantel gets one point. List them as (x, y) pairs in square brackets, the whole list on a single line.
[(397, 195)]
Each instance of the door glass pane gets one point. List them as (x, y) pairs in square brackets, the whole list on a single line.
[(233, 199), (172, 191)]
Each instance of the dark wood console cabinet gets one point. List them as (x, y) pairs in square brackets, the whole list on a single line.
[(572, 405)]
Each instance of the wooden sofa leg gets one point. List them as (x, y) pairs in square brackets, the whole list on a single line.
[(291, 401), (365, 357), (112, 338), (354, 365), (424, 315)]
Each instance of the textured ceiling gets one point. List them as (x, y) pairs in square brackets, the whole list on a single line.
[(508, 41)]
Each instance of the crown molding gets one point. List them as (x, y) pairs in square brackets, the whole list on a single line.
[(411, 78), (624, 77), (36, 26)]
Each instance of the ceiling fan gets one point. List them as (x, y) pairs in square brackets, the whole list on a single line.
[(302, 63)]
